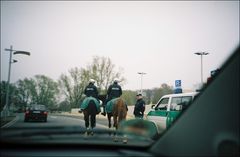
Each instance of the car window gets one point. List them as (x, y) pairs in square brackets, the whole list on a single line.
[(162, 105), (183, 101)]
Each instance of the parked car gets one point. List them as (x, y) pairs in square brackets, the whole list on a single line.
[(168, 108), (36, 112)]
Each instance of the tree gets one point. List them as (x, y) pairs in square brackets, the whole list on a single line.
[(73, 85), (24, 91), (159, 92), (130, 97), (11, 94), (64, 106), (148, 97), (40, 90), (103, 71)]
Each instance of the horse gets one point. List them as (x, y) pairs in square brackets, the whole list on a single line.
[(90, 107), (117, 109)]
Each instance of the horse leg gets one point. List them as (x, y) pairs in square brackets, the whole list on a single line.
[(86, 119), (93, 120), (109, 120), (115, 119)]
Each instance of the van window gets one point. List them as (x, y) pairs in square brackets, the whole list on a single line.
[(184, 101), (162, 105)]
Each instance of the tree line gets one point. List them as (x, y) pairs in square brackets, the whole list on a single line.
[(67, 91)]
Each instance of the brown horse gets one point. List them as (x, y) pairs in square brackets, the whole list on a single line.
[(118, 113)]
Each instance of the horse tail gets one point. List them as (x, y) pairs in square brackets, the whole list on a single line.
[(119, 111), (92, 109), (122, 110)]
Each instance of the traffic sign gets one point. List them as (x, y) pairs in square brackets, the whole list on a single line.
[(177, 83)]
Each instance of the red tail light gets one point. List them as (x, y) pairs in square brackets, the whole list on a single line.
[(27, 112), (45, 112)]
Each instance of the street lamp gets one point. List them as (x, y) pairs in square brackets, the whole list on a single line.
[(9, 70), (141, 73), (201, 54)]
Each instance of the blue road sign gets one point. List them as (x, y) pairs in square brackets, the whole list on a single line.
[(177, 83)]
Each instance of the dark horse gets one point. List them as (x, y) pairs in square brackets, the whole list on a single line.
[(90, 113)]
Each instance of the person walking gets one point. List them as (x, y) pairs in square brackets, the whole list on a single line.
[(139, 107)]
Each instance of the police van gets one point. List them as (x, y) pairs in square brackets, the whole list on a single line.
[(169, 108)]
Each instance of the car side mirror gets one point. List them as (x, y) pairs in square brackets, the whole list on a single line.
[(152, 106)]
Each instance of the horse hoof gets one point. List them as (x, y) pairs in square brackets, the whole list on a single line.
[(91, 133), (115, 140), (85, 134), (125, 140)]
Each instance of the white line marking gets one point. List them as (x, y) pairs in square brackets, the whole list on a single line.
[(11, 122)]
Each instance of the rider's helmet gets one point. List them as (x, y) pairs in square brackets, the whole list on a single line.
[(115, 80), (139, 94), (92, 81)]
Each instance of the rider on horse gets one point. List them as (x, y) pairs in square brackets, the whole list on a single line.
[(91, 89), (90, 105), (114, 91)]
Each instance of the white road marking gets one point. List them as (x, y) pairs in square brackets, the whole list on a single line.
[(11, 122)]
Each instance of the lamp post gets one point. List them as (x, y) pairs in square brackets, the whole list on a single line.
[(141, 73), (201, 54), (9, 70)]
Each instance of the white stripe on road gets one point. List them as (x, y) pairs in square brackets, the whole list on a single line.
[(11, 122)]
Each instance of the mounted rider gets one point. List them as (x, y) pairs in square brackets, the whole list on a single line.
[(91, 89), (114, 91), (90, 106), (91, 92)]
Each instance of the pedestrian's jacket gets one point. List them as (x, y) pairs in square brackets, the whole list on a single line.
[(114, 91), (91, 90), (139, 108)]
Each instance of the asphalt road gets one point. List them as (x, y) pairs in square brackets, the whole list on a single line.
[(55, 120), (66, 119)]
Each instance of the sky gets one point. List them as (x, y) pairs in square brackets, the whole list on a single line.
[(157, 37)]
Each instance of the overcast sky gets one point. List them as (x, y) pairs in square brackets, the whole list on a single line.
[(158, 38)]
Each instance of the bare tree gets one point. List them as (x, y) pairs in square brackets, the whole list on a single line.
[(103, 71), (73, 85)]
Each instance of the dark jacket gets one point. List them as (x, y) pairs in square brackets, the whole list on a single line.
[(91, 90), (139, 108), (114, 91)]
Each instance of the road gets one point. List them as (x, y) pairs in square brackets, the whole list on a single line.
[(55, 120), (66, 119)]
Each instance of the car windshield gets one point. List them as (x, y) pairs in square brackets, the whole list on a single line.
[(81, 63), (38, 107)]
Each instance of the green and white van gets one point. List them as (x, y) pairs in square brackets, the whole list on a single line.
[(169, 108)]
